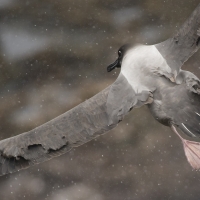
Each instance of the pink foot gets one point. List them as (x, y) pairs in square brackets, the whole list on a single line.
[(192, 150)]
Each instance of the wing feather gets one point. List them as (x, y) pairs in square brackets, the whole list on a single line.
[(71, 129), (184, 44)]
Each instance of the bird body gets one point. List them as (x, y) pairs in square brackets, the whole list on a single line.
[(175, 104), (175, 93), (142, 65)]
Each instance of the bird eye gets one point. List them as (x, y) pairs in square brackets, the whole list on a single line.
[(119, 53)]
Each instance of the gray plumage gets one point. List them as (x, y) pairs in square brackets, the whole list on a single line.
[(185, 43), (177, 104), (73, 128), (122, 98)]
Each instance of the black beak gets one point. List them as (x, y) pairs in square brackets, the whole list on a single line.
[(112, 66)]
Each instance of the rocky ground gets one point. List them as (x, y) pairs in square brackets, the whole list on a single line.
[(53, 55)]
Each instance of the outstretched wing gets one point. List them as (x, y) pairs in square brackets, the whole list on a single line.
[(71, 129), (185, 43)]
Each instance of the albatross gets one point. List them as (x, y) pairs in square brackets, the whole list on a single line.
[(150, 75)]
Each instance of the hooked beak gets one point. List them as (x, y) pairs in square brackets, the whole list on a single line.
[(112, 66)]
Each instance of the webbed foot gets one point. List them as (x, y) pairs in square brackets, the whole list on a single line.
[(192, 150)]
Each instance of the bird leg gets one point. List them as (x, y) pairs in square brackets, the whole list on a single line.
[(192, 150), (150, 98)]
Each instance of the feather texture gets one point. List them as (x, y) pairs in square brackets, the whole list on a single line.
[(71, 129), (184, 44)]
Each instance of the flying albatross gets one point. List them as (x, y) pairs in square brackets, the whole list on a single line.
[(151, 75)]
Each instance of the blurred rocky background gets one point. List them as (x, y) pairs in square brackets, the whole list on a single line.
[(53, 55)]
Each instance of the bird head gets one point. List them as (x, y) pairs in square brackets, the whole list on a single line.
[(121, 52)]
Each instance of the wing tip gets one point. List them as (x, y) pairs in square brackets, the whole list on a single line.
[(10, 165)]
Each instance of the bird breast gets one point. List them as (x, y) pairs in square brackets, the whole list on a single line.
[(142, 64)]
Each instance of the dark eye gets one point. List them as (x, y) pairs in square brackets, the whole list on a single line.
[(119, 53)]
